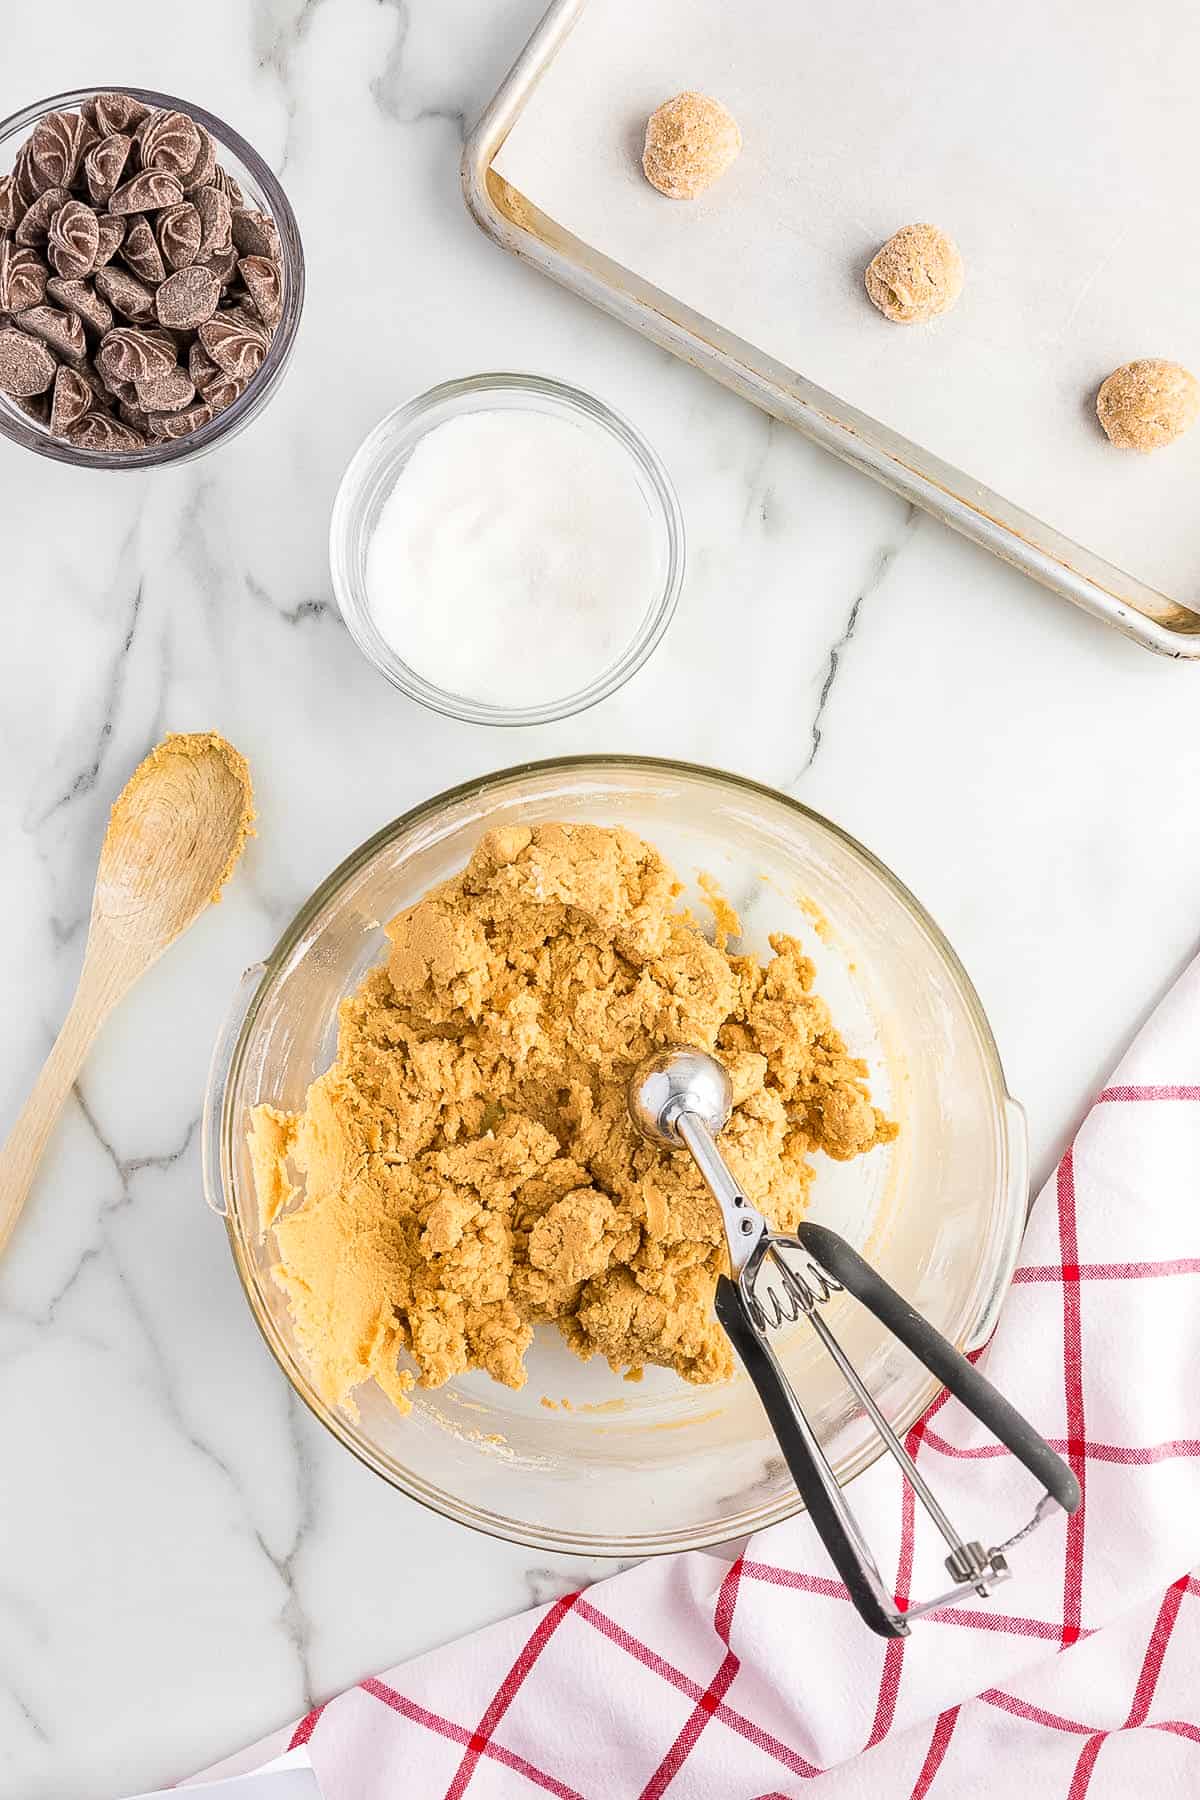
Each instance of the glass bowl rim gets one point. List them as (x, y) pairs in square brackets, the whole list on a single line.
[(447, 1505), (260, 388), (407, 424)]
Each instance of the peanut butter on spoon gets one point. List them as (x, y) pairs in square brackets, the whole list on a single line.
[(176, 831)]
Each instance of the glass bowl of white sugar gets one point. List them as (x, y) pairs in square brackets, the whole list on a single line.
[(506, 549)]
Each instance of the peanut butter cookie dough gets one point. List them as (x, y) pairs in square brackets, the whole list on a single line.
[(917, 275), (467, 1168), (690, 142), (1146, 404)]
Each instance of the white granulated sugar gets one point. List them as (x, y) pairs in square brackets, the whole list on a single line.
[(514, 559)]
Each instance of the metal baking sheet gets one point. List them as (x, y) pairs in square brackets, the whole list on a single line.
[(1060, 160)]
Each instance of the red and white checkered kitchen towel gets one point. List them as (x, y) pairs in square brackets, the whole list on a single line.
[(1082, 1676)]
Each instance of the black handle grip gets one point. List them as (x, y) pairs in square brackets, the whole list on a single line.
[(776, 1405), (943, 1360)]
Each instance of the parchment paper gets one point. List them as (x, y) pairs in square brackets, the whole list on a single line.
[(1057, 143)]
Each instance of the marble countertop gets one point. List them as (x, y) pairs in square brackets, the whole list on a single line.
[(188, 1560)]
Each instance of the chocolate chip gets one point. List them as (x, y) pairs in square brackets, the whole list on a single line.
[(235, 344), (23, 277), (71, 400), (223, 180), (57, 148), (187, 299), (179, 232), (107, 113), (35, 225), (74, 240), (112, 236), (201, 366), (10, 203), (264, 287), (254, 233), (79, 297), (222, 392), (166, 390), (99, 432), (88, 371), (131, 355), (26, 366), (63, 331), (216, 217), (140, 251), (104, 165), (204, 167), (170, 141), (221, 262), (25, 176), (125, 293), (180, 424), (147, 192)]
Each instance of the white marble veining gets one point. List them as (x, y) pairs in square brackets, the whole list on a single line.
[(185, 1558)]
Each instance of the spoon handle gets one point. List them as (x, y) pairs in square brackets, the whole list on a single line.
[(23, 1149)]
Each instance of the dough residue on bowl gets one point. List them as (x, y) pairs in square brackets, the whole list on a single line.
[(467, 1167)]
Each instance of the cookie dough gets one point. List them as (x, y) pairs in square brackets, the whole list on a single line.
[(1147, 404), (690, 142), (916, 275), (467, 1167)]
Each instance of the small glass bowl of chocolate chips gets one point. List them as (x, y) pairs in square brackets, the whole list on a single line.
[(151, 279)]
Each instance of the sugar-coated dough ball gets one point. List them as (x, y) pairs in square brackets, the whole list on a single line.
[(690, 142), (1144, 405), (917, 275)]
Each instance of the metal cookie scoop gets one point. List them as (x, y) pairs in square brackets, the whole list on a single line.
[(681, 1099)]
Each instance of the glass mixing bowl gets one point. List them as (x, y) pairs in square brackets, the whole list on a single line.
[(631, 1469)]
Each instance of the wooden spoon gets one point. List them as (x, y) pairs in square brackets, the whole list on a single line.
[(176, 831)]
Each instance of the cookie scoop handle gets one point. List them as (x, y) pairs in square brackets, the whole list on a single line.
[(940, 1357), (809, 1468)]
